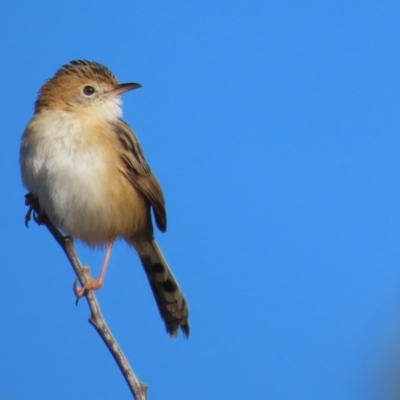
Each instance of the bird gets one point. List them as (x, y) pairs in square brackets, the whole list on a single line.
[(84, 167)]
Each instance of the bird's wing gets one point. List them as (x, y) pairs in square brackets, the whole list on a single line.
[(138, 171)]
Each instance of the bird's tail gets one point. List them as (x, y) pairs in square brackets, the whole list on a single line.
[(167, 293)]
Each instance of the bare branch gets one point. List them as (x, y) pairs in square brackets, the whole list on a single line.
[(138, 388)]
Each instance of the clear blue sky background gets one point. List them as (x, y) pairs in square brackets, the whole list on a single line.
[(274, 129)]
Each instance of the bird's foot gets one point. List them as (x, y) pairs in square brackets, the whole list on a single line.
[(34, 210), (91, 284)]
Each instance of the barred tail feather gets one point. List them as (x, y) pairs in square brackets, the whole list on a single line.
[(167, 293)]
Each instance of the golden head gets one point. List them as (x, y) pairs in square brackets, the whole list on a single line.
[(82, 85)]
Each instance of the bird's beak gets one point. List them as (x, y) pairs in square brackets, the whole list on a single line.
[(123, 87)]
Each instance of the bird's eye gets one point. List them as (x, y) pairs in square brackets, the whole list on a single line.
[(88, 91)]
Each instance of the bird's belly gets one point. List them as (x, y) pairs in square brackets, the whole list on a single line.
[(84, 192), (75, 198), (89, 203)]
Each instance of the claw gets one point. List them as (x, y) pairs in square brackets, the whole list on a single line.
[(91, 284), (77, 290), (39, 217), (34, 208), (28, 216)]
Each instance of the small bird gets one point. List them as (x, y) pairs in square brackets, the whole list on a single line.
[(84, 166)]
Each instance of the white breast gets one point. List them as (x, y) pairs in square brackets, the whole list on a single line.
[(65, 174)]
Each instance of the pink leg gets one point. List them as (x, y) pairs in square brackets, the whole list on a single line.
[(94, 284)]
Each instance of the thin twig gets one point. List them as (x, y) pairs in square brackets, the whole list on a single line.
[(138, 388)]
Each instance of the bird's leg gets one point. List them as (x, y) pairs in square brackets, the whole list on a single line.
[(94, 284), (38, 216), (32, 202)]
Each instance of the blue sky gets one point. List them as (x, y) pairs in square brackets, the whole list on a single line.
[(273, 127)]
